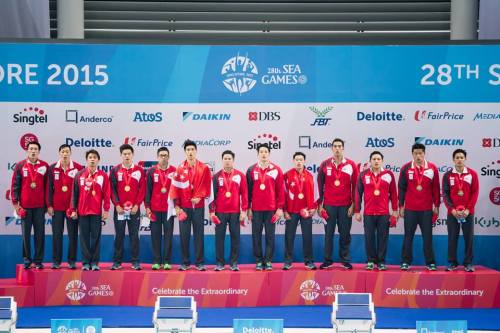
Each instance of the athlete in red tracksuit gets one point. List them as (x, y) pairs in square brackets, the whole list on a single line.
[(460, 193), (266, 200), (191, 185), (377, 187), (228, 208), (299, 207), (419, 199), (60, 181), (28, 197), (90, 204), (158, 181), (337, 177)]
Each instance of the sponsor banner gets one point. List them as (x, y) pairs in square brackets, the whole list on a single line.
[(87, 325), (435, 289), (443, 326), (23, 295), (258, 325)]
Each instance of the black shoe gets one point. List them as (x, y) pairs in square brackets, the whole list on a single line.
[(27, 265), (235, 268), (451, 267), (326, 265), (184, 267), (311, 266), (39, 266), (136, 266), (95, 267), (287, 267), (116, 266), (86, 267), (56, 266), (72, 265), (347, 265), (219, 267), (201, 267)]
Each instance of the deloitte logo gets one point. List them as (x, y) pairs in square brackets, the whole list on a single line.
[(309, 290), (75, 290), (239, 74)]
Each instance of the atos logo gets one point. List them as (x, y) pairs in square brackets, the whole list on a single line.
[(380, 142), (144, 117), (31, 116), (321, 118)]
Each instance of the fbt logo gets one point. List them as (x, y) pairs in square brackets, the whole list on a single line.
[(31, 115), (491, 169), (144, 117), (430, 115), (495, 196), (141, 142), (309, 290), (76, 290), (26, 139), (239, 74), (491, 142), (321, 118), (264, 116), (380, 142), (270, 139)]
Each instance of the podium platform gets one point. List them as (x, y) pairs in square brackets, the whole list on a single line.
[(417, 288)]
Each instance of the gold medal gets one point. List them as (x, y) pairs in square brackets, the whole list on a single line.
[(461, 193), (163, 190), (127, 188), (419, 187), (93, 192), (64, 188), (376, 193), (262, 187), (33, 185), (336, 182), (228, 194), (301, 196)]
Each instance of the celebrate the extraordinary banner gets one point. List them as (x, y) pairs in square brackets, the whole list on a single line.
[(297, 98)]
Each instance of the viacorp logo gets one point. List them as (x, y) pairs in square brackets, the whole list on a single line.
[(397, 168), (486, 116), (321, 118), (379, 116), (305, 141), (31, 115), (73, 116), (212, 142), (205, 116), (239, 74), (439, 141), (380, 142), (431, 115), (152, 142), (145, 117), (89, 143), (491, 169)]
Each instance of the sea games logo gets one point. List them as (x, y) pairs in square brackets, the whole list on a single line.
[(309, 290), (26, 139), (287, 75), (239, 74), (430, 115), (31, 115), (76, 290), (271, 140)]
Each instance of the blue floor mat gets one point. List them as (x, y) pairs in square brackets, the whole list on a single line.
[(294, 316)]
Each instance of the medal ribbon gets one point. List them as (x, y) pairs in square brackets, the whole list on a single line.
[(337, 170), (299, 179), (163, 177), (126, 176), (460, 181), (419, 173), (228, 180), (32, 173), (376, 181), (262, 174)]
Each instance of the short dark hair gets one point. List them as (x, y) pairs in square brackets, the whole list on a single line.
[(376, 152), (265, 145), (61, 147), (36, 143), (227, 152), (188, 143), (417, 146), (126, 146), (458, 151), (92, 151), (299, 153), (162, 149), (338, 140)]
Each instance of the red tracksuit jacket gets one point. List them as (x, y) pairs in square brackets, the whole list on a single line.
[(410, 178), (191, 182), (22, 191), (157, 179), (295, 185), (345, 175), (453, 183), (369, 185), (60, 185), (266, 187), (91, 193), (132, 177), (235, 184)]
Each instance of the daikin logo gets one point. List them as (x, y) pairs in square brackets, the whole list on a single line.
[(439, 142), (239, 74), (205, 116)]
